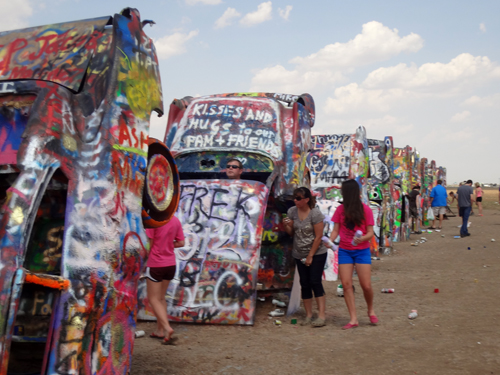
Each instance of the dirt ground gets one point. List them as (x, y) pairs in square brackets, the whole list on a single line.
[(457, 330)]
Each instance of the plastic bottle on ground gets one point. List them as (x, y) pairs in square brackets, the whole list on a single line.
[(388, 290), (340, 290), (413, 314)]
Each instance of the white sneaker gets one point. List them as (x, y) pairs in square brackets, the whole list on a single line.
[(279, 303), (277, 312)]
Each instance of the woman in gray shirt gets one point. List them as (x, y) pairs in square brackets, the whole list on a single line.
[(305, 223)]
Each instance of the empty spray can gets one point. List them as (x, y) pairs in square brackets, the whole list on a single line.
[(356, 235), (140, 334), (385, 290)]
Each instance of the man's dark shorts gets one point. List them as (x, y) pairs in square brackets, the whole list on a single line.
[(414, 212)]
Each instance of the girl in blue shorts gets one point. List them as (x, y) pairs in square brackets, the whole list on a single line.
[(350, 217)]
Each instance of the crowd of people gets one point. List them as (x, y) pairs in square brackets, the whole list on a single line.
[(441, 201)]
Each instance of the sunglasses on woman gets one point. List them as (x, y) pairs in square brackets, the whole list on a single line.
[(232, 166), (298, 198)]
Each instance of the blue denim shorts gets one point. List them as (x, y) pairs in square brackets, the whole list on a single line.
[(362, 256)]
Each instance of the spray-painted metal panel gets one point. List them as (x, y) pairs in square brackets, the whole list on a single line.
[(216, 275), (56, 53), (82, 97), (380, 157), (253, 124), (330, 160), (333, 159)]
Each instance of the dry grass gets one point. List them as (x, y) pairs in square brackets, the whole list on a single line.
[(490, 198)]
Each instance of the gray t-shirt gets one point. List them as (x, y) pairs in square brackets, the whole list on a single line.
[(303, 232), (464, 193)]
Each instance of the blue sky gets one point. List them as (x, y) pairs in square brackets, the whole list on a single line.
[(425, 72)]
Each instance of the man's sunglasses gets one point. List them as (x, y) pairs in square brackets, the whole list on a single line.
[(298, 198), (232, 166)]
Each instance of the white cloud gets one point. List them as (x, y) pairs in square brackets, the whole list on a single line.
[(462, 135), (15, 14), (262, 14), (482, 27), (206, 2), (172, 45), (285, 13), (461, 71), (329, 65), (458, 117), (226, 18), (387, 125), (352, 98), (375, 43), (437, 137), (483, 102), (278, 78), (390, 88)]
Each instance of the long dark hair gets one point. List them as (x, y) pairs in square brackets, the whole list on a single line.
[(354, 212), (307, 194)]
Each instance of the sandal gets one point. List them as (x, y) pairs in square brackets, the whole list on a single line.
[(349, 326), (155, 336), (318, 323), (172, 341), (373, 319), (306, 321)]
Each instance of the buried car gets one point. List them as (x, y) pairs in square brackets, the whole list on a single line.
[(78, 177), (235, 242)]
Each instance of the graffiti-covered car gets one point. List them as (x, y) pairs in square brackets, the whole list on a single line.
[(234, 236), (271, 139), (77, 181)]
